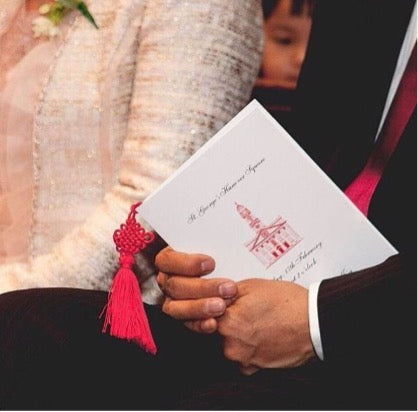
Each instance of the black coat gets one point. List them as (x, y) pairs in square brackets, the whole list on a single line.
[(367, 319)]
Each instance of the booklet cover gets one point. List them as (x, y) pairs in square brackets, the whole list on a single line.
[(260, 206)]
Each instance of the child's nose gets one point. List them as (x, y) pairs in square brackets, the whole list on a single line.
[(299, 56)]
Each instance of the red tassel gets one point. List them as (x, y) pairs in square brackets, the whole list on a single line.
[(125, 313)]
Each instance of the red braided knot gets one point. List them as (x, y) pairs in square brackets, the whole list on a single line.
[(132, 237)]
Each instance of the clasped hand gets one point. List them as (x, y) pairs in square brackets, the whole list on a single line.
[(264, 323)]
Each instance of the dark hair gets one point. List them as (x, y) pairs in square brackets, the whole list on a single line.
[(297, 7)]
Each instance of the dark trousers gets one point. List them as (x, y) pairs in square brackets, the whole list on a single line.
[(54, 356)]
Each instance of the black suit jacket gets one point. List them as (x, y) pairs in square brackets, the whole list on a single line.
[(367, 319)]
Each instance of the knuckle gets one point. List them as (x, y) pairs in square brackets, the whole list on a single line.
[(158, 259), (161, 258), (212, 286), (161, 280), (243, 287), (192, 266), (226, 323), (230, 352), (169, 285), (202, 288), (222, 327), (167, 307), (208, 326), (172, 287)]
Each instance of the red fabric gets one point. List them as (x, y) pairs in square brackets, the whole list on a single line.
[(361, 190), (125, 315)]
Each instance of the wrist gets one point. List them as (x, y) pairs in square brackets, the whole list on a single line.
[(307, 348)]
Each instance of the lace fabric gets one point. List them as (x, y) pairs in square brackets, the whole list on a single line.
[(16, 38), (24, 61), (114, 113)]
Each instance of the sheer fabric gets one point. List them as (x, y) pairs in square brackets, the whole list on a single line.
[(23, 60), (24, 64)]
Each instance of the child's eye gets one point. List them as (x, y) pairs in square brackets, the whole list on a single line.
[(283, 41)]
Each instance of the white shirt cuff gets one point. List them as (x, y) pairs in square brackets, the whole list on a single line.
[(314, 320)]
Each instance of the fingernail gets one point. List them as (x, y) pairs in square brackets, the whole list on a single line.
[(207, 266), (227, 289), (215, 306)]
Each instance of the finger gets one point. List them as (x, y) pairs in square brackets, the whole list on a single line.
[(178, 263), (195, 309), (229, 302), (181, 287), (206, 326), (161, 280)]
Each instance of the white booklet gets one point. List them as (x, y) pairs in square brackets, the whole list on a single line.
[(261, 207)]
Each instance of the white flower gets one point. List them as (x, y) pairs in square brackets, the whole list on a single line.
[(45, 8), (42, 26)]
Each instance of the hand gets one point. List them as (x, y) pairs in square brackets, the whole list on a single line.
[(188, 297), (267, 326)]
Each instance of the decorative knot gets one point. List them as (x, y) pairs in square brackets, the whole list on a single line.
[(126, 261), (124, 312), (131, 237)]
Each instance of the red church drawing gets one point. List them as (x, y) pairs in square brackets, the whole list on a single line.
[(272, 241)]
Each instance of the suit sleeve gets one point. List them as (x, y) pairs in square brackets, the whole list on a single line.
[(371, 314)]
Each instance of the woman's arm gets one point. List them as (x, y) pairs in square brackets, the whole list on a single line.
[(195, 68)]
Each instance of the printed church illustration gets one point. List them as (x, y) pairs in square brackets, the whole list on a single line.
[(271, 242)]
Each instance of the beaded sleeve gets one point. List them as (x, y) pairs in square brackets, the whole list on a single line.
[(195, 67)]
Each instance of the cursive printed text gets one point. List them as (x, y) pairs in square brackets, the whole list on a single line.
[(302, 263), (225, 190)]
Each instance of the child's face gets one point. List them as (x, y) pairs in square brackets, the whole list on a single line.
[(286, 39)]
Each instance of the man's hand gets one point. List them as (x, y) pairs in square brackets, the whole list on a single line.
[(188, 297), (267, 326)]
